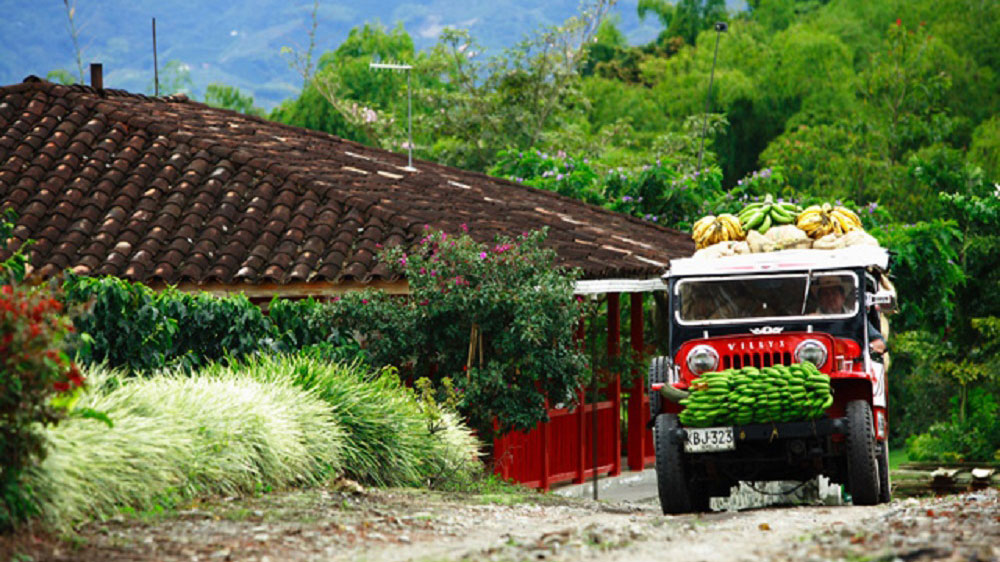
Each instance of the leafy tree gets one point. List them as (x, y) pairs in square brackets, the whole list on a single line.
[(685, 18), (61, 76), (346, 98), (510, 99), (229, 97), (985, 148), (175, 78), (496, 319)]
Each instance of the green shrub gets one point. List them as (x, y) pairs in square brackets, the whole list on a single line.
[(135, 327), (308, 325), (130, 325), (33, 371), (176, 436), (976, 437)]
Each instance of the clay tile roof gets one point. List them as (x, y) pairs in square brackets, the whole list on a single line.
[(170, 190)]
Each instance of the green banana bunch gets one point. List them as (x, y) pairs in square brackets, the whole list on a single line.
[(750, 395), (762, 215)]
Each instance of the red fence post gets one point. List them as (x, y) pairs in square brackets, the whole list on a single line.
[(637, 415), (615, 386)]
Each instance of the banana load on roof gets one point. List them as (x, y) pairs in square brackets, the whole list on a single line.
[(772, 225)]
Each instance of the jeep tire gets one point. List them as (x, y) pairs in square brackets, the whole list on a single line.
[(862, 464), (884, 484), (677, 495)]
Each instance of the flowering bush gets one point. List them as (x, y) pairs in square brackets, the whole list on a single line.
[(496, 319), (33, 370)]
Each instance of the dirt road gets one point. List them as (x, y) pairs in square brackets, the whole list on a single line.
[(393, 526)]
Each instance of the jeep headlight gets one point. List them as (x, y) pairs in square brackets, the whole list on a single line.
[(702, 358), (812, 351)]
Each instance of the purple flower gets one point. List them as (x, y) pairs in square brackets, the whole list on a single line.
[(482, 255), (627, 198), (559, 177)]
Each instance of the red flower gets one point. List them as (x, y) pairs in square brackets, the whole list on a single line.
[(899, 22), (60, 386)]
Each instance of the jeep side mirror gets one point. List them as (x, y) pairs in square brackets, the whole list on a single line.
[(883, 301)]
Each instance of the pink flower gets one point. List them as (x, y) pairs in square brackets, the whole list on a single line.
[(364, 301), (464, 227), (482, 255), (423, 270)]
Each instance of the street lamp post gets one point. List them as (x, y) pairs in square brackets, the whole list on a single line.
[(409, 102)]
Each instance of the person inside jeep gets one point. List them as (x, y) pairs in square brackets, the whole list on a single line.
[(832, 300)]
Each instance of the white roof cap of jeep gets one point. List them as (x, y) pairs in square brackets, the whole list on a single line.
[(782, 260)]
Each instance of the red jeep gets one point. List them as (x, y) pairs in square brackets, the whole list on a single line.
[(768, 309)]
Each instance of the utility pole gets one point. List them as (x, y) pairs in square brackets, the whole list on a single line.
[(720, 28), (409, 102)]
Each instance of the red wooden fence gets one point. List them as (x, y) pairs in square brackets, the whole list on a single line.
[(561, 450)]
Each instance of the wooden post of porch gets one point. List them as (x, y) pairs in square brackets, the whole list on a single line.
[(638, 414), (581, 410), (615, 385), (546, 429)]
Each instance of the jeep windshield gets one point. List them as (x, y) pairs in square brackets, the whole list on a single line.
[(758, 298)]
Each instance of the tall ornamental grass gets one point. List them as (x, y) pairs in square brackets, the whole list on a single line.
[(269, 422), (176, 437), (390, 438)]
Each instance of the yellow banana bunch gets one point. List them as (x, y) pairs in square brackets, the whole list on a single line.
[(819, 220), (847, 219), (712, 229)]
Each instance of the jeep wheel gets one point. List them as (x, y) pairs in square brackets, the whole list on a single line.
[(676, 493), (862, 465), (884, 485)]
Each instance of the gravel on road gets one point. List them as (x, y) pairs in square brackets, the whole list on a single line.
[(399, 525)]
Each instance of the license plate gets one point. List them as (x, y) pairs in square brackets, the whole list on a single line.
[(709, 439)]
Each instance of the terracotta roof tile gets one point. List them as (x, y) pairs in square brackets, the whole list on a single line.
[(165, 189)]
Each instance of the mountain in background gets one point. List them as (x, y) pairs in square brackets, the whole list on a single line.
[(239, 43)]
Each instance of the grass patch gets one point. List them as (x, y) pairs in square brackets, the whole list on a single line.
[(897, 457)]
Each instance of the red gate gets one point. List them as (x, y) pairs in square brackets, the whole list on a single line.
[(562, 449)]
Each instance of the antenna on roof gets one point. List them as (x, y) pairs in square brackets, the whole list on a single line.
[(156, 68), (409, 103), (720, 28)]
